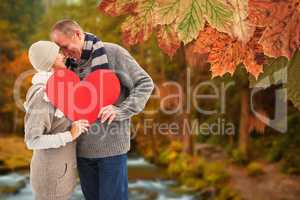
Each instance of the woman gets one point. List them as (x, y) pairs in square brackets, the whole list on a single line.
[(48, 132)]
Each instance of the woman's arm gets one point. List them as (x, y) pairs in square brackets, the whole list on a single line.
[(49, 141), (37, 123)]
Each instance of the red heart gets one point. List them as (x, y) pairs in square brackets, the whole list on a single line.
[(82, 99)]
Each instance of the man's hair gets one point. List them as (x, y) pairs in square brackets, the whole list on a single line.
[(66, 26)]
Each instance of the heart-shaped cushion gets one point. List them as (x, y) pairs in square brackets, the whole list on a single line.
[(82, 99)]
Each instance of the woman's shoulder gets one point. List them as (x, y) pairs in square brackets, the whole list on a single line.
[(36, 97)]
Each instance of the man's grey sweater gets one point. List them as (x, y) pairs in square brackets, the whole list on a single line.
[(103, 139)]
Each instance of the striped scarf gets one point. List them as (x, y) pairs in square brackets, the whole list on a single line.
[(93, 52)]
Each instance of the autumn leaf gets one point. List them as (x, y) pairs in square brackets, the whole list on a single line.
[(219, 14), (274, 73), (241, 28), (225, 53), (117, 7), (194, 13), (281, 18), (167, 11), (190, 21), (138, 28), (168, 39)]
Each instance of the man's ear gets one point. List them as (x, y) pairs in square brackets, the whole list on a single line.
[(78, 34)]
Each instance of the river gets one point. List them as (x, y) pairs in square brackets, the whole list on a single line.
[(146, 182)]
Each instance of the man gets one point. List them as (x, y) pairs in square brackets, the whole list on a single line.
[(102, 152)]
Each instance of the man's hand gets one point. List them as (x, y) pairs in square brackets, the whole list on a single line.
[(107, 113)]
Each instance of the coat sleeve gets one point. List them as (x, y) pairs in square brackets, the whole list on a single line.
[(141, 82), (37, 125)]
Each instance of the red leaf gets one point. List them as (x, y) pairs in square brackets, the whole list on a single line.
[(282, 21), (168, 39), (116, 7)]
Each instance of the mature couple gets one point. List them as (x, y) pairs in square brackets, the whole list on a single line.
[(60, 146)]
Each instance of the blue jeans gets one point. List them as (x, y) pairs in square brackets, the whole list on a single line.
[(104, 178)]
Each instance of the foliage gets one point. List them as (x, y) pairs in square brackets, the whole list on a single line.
[(9, 112), (194, 184), (255, 169), (215, 173), (247, 30), (227, 193), (21, 18), (291, 162), (238, 157), (281, 20), (13, 153), (226, 53), (17, 24), (167, 156)]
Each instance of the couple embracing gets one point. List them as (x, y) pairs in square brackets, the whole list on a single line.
[(61, 147)]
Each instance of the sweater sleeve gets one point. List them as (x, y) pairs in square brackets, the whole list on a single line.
[(141, 82), (37, 124)]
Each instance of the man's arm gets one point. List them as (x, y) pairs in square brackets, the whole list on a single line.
[(139, 95)]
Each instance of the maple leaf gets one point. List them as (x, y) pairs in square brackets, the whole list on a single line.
[(167, 11), (194, 13), (219, 14), (241, 28), (138, 27), (117, 7), (281, 18), (190, 21), (168, 39), (225, 53)]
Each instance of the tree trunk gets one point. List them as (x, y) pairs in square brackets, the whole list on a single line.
[(244, 122), (187, 136)]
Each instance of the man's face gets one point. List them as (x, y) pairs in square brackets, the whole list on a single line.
[(71, 45)]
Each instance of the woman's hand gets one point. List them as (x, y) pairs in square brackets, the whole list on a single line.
[(78, 127)]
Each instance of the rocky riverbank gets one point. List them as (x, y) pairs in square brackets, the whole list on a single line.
[(152, 186)]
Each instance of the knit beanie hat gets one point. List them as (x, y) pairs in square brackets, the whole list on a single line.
[(42, 55)]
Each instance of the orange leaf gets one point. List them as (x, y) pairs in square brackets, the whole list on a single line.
[(225, 53), (138, 28)]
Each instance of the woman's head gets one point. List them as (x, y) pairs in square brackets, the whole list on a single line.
[(44, 55)]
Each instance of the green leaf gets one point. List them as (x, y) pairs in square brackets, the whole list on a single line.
[(293, 84), (190, 22), (218, 14)]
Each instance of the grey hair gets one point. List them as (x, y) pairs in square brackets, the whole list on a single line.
[(66, 26)]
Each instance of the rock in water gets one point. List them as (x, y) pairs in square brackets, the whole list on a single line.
[(11, 183)]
